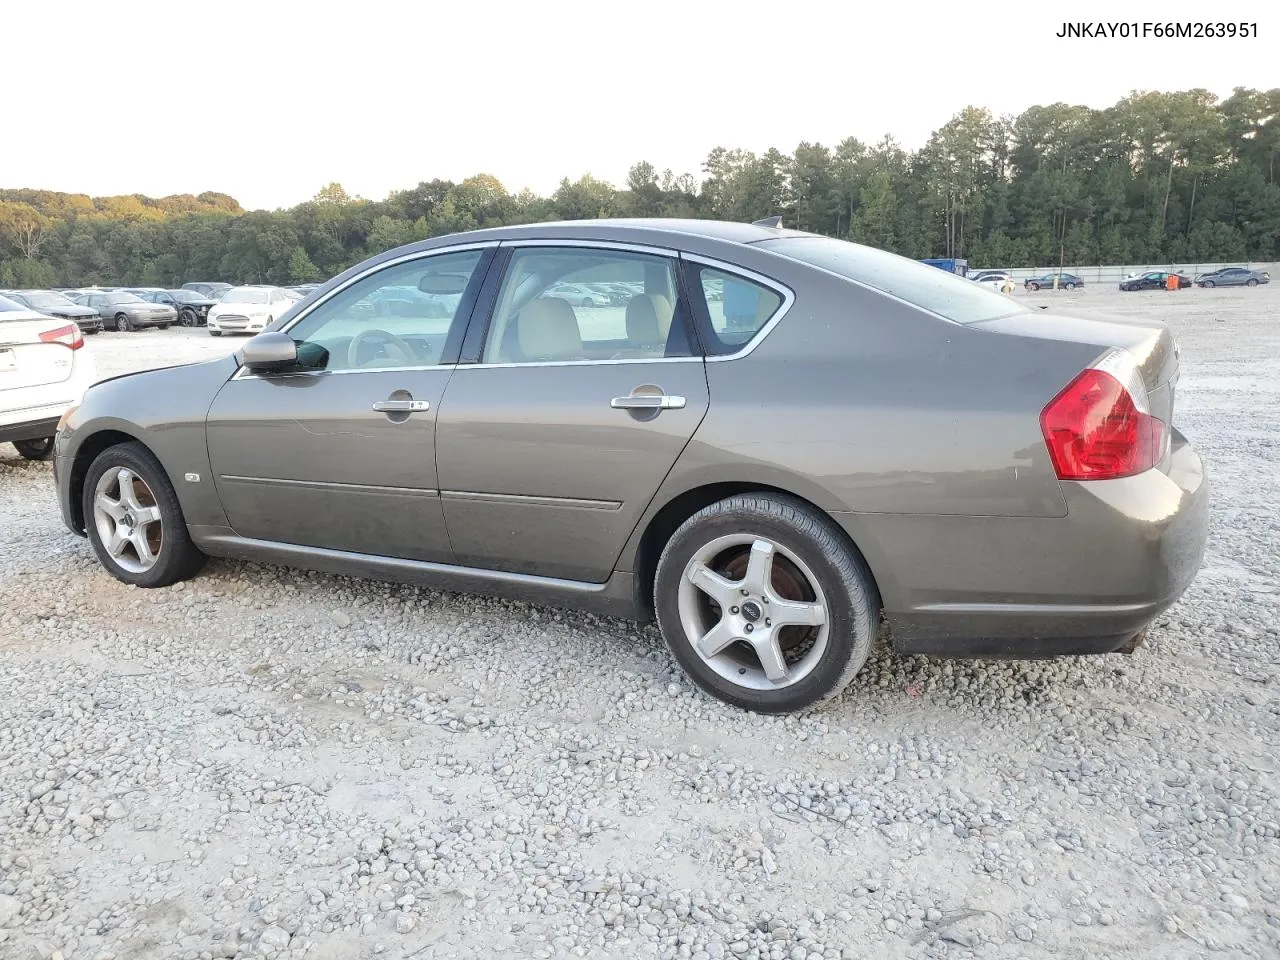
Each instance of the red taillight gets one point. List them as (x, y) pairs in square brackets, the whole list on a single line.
[(1096, 429), (69, 335)]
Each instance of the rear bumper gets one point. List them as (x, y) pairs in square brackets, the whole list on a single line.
[(30, 429), (1036, 587)]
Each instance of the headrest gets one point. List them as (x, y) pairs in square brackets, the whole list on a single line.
[(648, 318), (547, 329)]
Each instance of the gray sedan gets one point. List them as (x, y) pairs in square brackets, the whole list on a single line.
[(839, 437), (125, 311), (1233, 277)]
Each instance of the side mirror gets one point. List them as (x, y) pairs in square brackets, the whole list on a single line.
[(269, 351)]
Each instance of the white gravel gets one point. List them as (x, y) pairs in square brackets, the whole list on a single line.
[(270, 763)]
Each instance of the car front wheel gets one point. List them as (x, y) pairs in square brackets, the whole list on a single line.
[(765, 604), (133, 519), (122, 323), (1033, 286), (41, 449)]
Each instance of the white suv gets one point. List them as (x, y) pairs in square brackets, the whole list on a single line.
[(43, 372)]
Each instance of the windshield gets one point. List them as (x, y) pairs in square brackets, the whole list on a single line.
[(245, 295), (185, 296), (48, 300), (945, 294), (124, 298), (8, 306)]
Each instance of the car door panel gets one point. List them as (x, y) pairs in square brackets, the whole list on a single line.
[(305, 459), (339, 452), (540, 474)]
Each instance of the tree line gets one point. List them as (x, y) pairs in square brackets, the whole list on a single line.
[(1155, 178)]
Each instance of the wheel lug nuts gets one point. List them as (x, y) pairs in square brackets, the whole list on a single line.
[(745, 592), (768, 622), (749, 628), (733, 609)]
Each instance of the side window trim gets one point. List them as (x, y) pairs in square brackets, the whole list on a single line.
[(478, 330), (694, 262), (453, 340)]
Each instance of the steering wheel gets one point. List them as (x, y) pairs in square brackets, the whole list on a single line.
[(390, 342)]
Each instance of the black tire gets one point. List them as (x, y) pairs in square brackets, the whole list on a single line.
[(188, 318), (178, 558), (1207, 284), (1070, 286), (163, 326), (853, 605), (122, 323), (1033, 286), (215, 333), (1251, 282), (39, 449)]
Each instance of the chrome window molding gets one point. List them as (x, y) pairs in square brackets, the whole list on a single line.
[(595, 244), (244, 373), (784, 291), (578, 363)]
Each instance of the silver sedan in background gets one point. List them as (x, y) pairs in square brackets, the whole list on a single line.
[(777, 442)]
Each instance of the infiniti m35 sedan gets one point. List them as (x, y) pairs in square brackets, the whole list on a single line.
[(835, 438)]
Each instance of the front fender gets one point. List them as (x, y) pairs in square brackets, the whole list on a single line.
[(163, 409)]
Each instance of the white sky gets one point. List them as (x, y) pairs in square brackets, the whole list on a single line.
[(380, 95)]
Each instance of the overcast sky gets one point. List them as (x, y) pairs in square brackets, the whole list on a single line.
[(268, 105)]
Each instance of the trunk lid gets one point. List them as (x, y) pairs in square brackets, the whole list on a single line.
[(1151, 346), (26, 360)]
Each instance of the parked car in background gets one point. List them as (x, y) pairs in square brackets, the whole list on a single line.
[(53, 304), (302, 289), (998, 280), (247, 309), (43, 372), (1066, 281), (192, 307), (1154, 280), (577, 294), (1233, 277), (213, 291), (830, 447), (127, 311)]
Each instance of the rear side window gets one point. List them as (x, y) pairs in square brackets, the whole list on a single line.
[(737, 308), (938, 291)]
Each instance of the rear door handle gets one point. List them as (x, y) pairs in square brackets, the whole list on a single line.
[(402, 406), (648, 402)]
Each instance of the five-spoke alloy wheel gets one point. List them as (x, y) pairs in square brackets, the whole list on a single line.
[(765, 602), (134, 521)]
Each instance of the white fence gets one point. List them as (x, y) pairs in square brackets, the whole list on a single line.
[(1114, 274)]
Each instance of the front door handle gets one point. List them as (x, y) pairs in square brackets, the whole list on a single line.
[(646, 401), (402, 406)]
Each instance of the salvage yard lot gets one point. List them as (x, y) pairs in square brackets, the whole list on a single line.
[(268, 762)]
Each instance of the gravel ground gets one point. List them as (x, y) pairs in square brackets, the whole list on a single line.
[(271, 763)]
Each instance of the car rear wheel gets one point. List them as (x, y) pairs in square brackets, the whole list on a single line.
[(122, 323), (133, 519), (1070, 286), (41, 449), (764, 603), (1251, 282)]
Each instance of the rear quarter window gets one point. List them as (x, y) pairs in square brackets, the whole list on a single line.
[(940, 292)]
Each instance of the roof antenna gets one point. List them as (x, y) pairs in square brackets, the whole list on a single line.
[(775, 222)]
